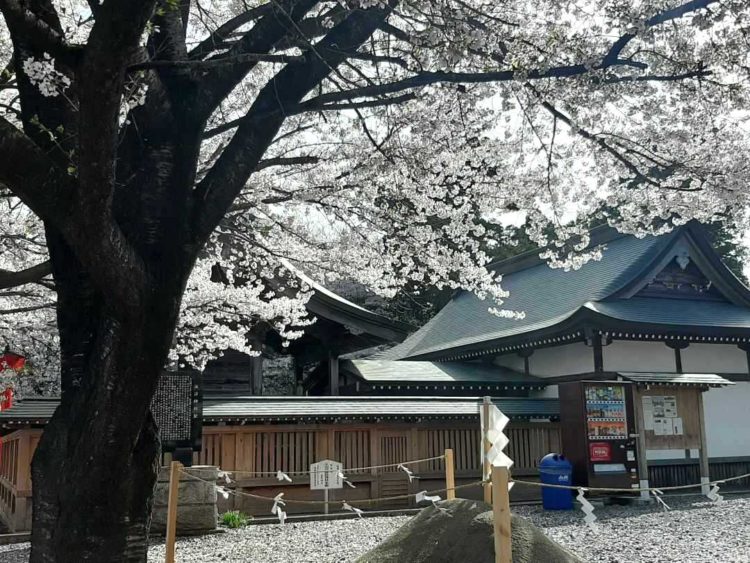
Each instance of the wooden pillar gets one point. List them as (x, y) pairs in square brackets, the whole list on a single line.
[(486, 446), (450, 478), (640, 442), (333, 373), (22, 516), (256, 369), (501, 515), (598, 353), (705, 478)]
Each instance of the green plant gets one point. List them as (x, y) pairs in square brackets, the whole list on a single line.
[(235, 519)]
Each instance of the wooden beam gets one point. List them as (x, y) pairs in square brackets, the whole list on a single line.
[(640, 442), (256, 368), (333, 373), (703, 449), (487, 446), (598, 353)]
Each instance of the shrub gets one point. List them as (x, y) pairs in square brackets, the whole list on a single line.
[(235, 519)]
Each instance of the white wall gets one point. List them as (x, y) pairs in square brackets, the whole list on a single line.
[(727, 412), (713, 358), (562, 360), (626, 355), (558, 360), (512, 361)]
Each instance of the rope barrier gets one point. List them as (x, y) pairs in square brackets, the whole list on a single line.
[(322, 502), (345, 470), (633, 490)]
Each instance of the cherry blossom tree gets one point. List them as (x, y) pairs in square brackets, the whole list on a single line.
[(165, 165)]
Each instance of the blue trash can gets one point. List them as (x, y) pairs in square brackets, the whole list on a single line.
[(555, 469)]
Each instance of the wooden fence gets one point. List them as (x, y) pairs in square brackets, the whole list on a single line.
[(15, 478), (256, 452)]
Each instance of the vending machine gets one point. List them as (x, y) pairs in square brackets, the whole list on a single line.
[(598, 433)]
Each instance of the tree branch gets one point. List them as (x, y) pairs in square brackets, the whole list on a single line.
[(662, 17), (96, 238), (217, 38), (276, 24), (286, 161), (33, 274), (215, 63), (310, 106), (215, 193), (31, 175), (37, 32)]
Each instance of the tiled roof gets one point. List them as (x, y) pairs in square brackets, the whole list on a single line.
[(678, 312), (263, 409), (554, 300), (699, 379), (396, 372), (547, 296)]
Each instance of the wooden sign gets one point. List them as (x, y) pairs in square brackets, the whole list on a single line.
[(326, 475)]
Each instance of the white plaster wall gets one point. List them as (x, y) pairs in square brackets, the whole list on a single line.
[(562, 360), (626, 355), (512, 361), (727, 412), (713, 358)]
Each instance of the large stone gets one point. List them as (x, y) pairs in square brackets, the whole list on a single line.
[(196, 501), (461, 532)]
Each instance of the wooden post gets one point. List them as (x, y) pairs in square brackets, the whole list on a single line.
[(333, 373), (705, 479), (486, 448), (640, 443), (450, 477), (174, 488), (501, 515)]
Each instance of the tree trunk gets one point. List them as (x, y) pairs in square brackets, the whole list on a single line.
[(95, 468)]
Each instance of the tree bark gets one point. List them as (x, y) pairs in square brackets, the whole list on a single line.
[(95, 468)]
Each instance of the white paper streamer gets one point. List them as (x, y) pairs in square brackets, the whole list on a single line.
[(588, 510), (347, 506), (494, 432), (222, 491), (282, 516), (345, 480), (225, 475), (657, 495), (281, 476), (423, 496), (278, 502), (714, 495), (408, 471)]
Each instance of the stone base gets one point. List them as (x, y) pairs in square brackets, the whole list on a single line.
[(196, 506)]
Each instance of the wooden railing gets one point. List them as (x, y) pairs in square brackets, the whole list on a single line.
[(15, 478)]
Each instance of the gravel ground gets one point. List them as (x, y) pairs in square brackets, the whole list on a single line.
[(695, 530)]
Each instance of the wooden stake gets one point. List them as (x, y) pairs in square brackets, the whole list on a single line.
[(174, 489), (450, 477), (486, 447), (501, 515)]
